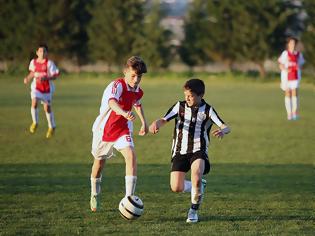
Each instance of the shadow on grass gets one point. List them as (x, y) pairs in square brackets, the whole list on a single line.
[(223, 178)]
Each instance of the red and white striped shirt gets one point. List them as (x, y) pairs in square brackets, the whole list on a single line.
[(112, 125)]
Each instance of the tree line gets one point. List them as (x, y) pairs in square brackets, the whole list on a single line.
[(111, 30)]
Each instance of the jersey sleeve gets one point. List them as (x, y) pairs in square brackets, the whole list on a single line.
[(115, 90), (283, 59), (52, 69), (172, 112), (31, 66), (215, 117)]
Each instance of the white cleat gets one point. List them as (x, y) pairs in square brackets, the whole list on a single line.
[(192, 216)]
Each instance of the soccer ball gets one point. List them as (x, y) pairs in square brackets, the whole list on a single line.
[(131, 207)]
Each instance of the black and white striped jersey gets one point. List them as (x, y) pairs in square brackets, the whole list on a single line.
[(192, 127)]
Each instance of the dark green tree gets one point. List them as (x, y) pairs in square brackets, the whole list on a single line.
[(153, 44), (191, 48), (309, 34), (114, 29)]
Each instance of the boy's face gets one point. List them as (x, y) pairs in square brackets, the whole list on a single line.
[(132, 78), (191, 98), (41, 53), (291, 45)]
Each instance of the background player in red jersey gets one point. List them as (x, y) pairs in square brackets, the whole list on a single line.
[(290, 63), (42, 71), (193, 121), (113, 127)]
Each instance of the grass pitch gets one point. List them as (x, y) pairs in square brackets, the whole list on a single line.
[(262, 179)]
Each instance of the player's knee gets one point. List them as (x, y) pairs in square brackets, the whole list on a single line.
[(177, 188)]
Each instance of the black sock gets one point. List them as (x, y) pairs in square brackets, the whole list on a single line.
[(195, 206)]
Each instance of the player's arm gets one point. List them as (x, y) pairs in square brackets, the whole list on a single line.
[(52, 72), (156, 125), (29, 77), (223, 130), (113, 104), (144, 125)]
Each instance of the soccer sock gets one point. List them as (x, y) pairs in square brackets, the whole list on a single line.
[(131, 182), (96, 185), (195, 197), (287, 102), (53, 123), (187, 186), (34, 113), (294, 105), (48, 116)]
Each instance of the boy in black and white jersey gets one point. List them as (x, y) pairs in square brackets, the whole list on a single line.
[(193, 121)]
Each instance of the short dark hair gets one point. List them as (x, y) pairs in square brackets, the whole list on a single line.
[(137, 64), (196, 86), (295, 39), (43, 45)]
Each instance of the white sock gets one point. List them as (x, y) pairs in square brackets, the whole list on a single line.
[(131, 182), (187, 186), (196, 195), (96, 185), (34, 113), (48, 116), (294, 104), (53, 123), (287, 103)]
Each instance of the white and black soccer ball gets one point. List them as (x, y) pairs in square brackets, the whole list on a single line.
[(131, 207)]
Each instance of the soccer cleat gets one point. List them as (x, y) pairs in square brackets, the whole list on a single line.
[(192, 216), (95, 202), (50, 132), (33, 128)]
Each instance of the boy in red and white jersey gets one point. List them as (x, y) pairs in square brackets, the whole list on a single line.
[(113, 127), (42, 71), (290, 63)]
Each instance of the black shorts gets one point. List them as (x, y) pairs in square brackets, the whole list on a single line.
[(183, 162)]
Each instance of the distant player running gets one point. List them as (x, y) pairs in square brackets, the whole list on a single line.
[(290, 63), (113, 127), (193, 121), (42, 71)]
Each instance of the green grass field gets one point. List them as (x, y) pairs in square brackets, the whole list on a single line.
[(262, 180)]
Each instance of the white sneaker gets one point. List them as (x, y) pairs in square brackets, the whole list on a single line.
[(192, 216)]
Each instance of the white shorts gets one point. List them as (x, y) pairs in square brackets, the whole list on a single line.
[(45, 98), (289, 84), (104, 150)]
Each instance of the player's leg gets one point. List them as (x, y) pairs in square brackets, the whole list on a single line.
[(96, 179), (100, 151), (178, 182), (34, 114), (199, 167), (197, 170), (131, 170), (49, 117), (126, 146), (294, 98), (287, 103), (180, 166)]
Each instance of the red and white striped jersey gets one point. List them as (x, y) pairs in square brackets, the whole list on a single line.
[(47, 68), (292, 62), (112, 125)]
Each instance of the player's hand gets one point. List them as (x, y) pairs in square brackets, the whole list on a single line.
[(143, 130), (25, 80), (218, 133), (130, 116), (154, 128), (44, 78)]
